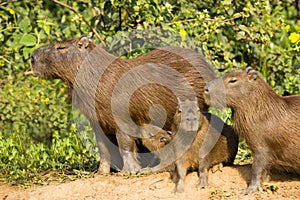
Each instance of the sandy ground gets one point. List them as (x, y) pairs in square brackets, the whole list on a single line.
[(225, 184)]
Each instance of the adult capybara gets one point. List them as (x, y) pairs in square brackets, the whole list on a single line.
[(200, 141), (119, 95), (269, 123)]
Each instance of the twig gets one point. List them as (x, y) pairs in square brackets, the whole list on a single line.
[(28, 73), (98, 18), (87, 23)]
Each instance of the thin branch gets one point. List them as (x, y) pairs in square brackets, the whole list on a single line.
[(87, 23), (98, 18), (91, 6)]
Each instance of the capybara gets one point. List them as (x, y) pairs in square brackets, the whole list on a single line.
[(269, 122), (200, 141), (154, 138), (118, 95)]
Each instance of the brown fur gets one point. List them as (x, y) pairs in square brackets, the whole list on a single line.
[(269, 123), (199, 141), (155, 138), (93, 74), (215, 142)]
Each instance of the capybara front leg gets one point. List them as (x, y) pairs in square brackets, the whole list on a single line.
[(258, 168), (103, 142), (181, 171), (128, 151), (203, 171)]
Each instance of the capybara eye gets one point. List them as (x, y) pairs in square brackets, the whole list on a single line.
[(60, 47), (79, 44), (179, 110), (232, 80)]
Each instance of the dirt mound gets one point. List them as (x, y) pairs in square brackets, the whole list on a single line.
[(225, 184)]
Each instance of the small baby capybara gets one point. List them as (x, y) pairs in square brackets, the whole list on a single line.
[(269, 123), (200, 141), (154, 138), (118, 95)]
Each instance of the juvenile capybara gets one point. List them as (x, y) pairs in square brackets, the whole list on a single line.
[(269, 123), (154, 138), (200, 141), (118, 95)]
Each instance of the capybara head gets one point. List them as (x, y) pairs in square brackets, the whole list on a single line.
[(187, 115), (232, 88), (61, 58), (155, 138)]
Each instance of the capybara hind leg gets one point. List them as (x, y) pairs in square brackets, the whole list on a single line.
[(128, 151), (174, 176), (266, 176)]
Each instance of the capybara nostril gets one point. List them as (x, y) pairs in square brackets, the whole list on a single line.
[(206, 90)]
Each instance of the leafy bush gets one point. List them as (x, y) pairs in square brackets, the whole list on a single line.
[(36, 128), (38, 131)]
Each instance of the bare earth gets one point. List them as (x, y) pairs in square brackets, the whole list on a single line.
[(223, 185)]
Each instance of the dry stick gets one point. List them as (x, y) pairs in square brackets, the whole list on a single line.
[(73, 10)]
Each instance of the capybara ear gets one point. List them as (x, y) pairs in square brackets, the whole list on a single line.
[(179, 101), (252, 74), (195, 99), (84, 42)]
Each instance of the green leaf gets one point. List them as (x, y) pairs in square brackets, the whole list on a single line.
[(26, 52), (237, 15), (25, 25), (240, 35), (243, 28), (297, 28), (28, 40), (47, 29)]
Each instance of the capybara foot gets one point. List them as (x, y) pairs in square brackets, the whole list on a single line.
[(103, 169), (251, 189), (178, 190), (202, 185), (132, 168)]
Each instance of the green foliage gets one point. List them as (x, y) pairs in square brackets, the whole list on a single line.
[(20, 161), (38, 131), (32, 106), (243, 156), (36, 128), (269, 188)]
